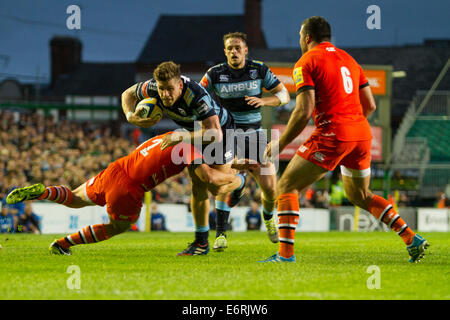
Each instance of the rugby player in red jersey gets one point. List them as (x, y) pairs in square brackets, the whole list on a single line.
[(121, 187), (331, 87)]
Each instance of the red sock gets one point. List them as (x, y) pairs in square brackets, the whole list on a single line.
[(89, 234), (383, 211), (58, 194), (288, 215)]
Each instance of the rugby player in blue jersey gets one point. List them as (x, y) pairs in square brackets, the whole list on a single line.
[(238, 85), (188, 103)]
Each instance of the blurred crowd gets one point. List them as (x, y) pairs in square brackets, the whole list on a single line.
[(34, 148)]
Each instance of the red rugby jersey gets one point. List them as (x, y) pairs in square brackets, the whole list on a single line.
[(336, 78), (148, 165)]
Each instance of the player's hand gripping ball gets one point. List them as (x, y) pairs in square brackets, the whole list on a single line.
[(148, 108)]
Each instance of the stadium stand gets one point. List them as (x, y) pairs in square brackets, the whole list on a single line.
[(435, 131)]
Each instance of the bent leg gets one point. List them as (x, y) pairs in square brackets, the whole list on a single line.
[(358, 192), (63, 195), (95, 233)]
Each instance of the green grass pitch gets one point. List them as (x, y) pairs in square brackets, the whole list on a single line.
[(330, 265)]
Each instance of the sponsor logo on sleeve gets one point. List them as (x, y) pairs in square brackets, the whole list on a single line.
[(298, 76)]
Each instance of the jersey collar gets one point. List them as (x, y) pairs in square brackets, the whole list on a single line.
[(237, 70)]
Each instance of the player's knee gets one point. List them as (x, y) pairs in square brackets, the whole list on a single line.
[(359, 197), (283, 186), (199, 191), (118, 227)]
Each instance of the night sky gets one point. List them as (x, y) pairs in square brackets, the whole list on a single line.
[(117, 30)]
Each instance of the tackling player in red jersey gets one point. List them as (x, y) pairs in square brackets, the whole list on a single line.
[(121, 186), (331, 87)]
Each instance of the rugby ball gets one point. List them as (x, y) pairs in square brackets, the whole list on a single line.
[(148, 108)]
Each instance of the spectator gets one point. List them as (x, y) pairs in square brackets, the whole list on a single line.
[(158, 220), (15, 209), (442, 201), (337, 194), (321, 199), (7, 221), (29, 221), (253, 217), (403, 201)]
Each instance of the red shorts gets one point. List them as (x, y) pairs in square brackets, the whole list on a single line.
[(328, 152), (113, 187)]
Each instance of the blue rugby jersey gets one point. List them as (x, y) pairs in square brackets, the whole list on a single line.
[(231, 86), (195, 103)]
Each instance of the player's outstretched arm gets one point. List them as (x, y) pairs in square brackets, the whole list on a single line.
[(367, 101), (210, 132), (217, 181), (129, 100)]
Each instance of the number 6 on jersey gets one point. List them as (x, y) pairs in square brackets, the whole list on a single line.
[(347, 79)]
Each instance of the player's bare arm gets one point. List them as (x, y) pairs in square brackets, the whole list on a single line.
[(305, 103), (217, 181), (129, 100), (367, 101), (210, 132), (280, 96)]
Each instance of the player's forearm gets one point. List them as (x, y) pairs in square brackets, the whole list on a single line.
[(304, 107), (221, 182), (367, 101), (280, 96), (229, 187), (129, 100), (217, 181), (295, 126), (271, 101)]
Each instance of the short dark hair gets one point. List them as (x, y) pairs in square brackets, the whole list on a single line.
[(318, 28), (166, 71), (239, 35)]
